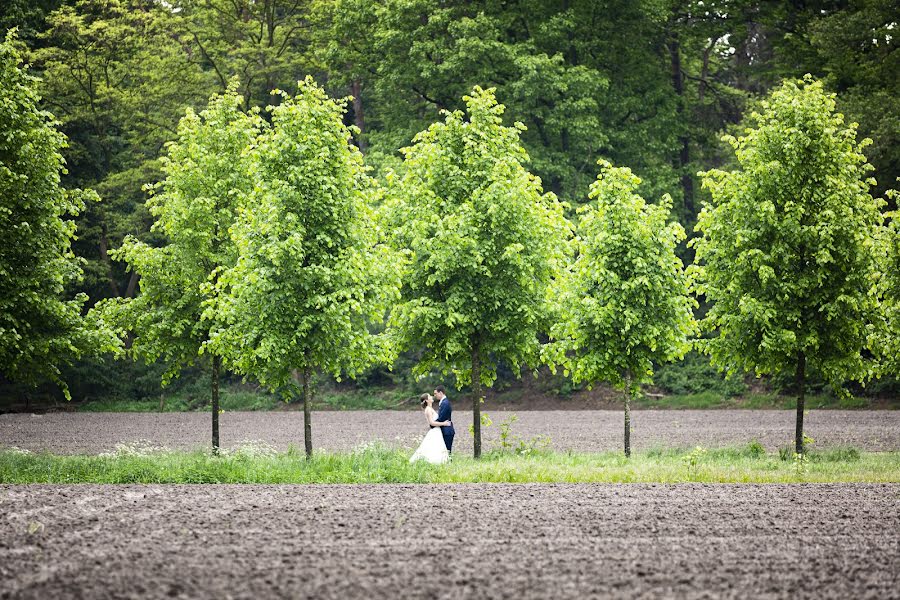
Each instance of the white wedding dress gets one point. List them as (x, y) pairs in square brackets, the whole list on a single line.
[(432, 449)]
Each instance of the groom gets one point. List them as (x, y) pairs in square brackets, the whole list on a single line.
[(444, 413)]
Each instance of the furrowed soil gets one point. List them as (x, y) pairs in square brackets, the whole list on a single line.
[(583, 431), (450, 541)]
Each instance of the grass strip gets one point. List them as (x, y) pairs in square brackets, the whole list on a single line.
[(379, 464)]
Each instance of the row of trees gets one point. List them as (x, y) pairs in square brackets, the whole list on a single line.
[(644, 83), (282, 254)]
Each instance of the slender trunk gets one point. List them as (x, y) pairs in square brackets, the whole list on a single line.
[(307, 422), (358, 115), (628, 415), (132, 285), (684, 154), (476, 400), (104, 256), (801, 400), (216, 365)]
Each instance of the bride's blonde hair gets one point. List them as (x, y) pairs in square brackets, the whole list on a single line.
[(423, 400)]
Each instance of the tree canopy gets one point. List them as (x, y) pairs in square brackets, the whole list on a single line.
[(41, 325), (787, 246), (624, 303), (484, 243), (311, 272)]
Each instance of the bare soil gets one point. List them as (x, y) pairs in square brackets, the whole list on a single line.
[(584, 431), (450, 541)]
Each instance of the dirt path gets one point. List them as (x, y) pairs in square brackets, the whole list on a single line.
[(450, 541), (587, 431)]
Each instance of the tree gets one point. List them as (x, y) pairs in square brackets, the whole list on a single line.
[(311, 272), (40, 329), (118, 77), (483, 243), (195, 206), (885, 339), (625, 302), (261, 43), (785, 255)]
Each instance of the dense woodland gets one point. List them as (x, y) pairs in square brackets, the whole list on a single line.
[(650, 84)]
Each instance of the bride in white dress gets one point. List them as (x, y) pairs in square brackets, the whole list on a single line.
[(432, 449)]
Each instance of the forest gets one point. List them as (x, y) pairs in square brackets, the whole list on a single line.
[(651, 85)]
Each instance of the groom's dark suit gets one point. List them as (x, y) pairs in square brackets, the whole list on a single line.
[(444, 413)]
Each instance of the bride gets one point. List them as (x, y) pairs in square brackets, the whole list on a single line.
[(432, 448)]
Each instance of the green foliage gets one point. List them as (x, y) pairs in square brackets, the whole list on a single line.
[(624, 304), (312, 271), (263, 45), (854, 49), (785, 255), (485, 421), (195, 206), (885, 339), (117, 75), (693, 459), (483, 244), (40, 329), (513, 443), (420, 57)]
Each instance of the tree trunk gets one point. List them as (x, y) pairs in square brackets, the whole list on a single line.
[(801, 400), (216, 365), (307, 422), (628, 415), (104, 256), (684, 154), (132, 285), (476, 400), (358, 116)]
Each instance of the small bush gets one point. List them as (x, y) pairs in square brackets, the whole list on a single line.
[(755, 449), (695, 375)]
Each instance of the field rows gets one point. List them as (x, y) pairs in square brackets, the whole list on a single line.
[(582, 431), (450, 541)]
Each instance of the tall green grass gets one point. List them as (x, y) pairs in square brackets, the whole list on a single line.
[(378, 464)]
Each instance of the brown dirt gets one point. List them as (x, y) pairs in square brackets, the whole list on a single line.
[(586, 431), (450, 541)]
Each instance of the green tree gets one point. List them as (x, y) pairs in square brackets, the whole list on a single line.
[(625, 301), (311, 272), (885, 340), (483, 243), (195, 206), (261, 43), (786, 249), (40, 329), (117, 75)]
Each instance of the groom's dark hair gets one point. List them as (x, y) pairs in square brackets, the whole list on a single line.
[(439, 388)]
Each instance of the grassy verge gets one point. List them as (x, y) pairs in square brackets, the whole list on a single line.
[(770, 401), (398, 400), (377, 464)]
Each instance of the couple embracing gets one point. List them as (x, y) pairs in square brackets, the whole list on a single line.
[(438, 442)]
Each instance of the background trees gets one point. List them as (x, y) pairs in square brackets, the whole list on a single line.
[(648, 84), (786, 255), (41, 327), (484, 242), (311, 271), (624, 304)]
